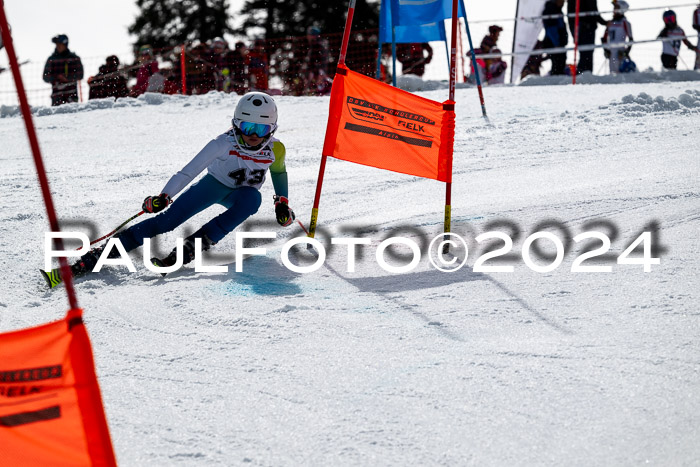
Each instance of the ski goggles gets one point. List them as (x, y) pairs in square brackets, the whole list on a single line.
[(260, 130), (670, 19)]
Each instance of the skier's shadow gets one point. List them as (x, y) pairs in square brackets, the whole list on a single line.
[(387, 286), (261, 275)]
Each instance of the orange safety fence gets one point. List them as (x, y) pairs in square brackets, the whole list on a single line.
[(290, 66)]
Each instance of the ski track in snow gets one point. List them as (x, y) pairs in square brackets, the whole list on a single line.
[(271, 367)]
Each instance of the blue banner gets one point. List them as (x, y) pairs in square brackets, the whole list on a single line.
[(415, 20)]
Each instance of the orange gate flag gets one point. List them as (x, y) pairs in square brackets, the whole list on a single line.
[(50, 405), (372, 123)]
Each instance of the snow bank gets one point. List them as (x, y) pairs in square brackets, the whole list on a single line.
[(414, 83), (146, 99), (643, 103), (638, 78)]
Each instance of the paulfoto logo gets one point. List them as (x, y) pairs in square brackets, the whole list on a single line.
[(494, 251)]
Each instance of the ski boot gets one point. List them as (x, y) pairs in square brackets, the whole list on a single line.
[(188, 251), (83, 266)]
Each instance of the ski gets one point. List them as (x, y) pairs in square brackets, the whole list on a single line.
[(52, 277), (161, 263)]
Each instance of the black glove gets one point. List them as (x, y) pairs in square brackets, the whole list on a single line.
[(285, 216), (154, 204)]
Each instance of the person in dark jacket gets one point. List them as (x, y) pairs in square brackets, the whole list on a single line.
[(414, 57), (235, 69), (555, 34), (109, 82), (587, 25), (534, 62), (63, 70)]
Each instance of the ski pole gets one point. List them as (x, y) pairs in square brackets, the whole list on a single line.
[(303, 228), (117, 229)]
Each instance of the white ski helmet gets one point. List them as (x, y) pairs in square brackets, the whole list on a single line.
[(256, 107), (256, 113), (621, 6)]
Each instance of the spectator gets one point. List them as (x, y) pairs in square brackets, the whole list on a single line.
[(413, 57), (201, 73), (235, 69), (289, 63), (218, 51), (534, 62), (96, 84), (63, 70), (495, 73), (493, 68), (109, 82), (586, 30), (148, 78), (555, 34), (316, 61), (490, 40), (478, 67), (361, 58), (672, 47), (172, 85), (619, 30), (258, 66)]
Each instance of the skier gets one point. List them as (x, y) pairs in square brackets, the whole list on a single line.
[(237, 162), (617, 33), (672, 47)]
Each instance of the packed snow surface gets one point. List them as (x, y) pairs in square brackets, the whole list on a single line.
[(271, 367)]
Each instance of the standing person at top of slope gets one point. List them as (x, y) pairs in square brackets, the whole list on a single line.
[(63, 70), (236, 162), (588, 22), (672, 46), (555, 34), (617, 35)]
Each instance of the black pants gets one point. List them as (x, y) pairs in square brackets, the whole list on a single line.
[(586, 36), (558, 64), (558, 60), (670, 62)]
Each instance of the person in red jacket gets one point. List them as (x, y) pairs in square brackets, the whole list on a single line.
[(149, 67), (258, 66)]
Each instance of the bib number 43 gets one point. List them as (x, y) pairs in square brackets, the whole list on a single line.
[(247, 177)]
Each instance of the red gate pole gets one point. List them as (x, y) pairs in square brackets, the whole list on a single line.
[(575, 70), (324, 157), (66, 274), (453, 80), (183, 72)]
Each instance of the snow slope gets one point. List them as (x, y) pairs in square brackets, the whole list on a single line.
[(271, 367)]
